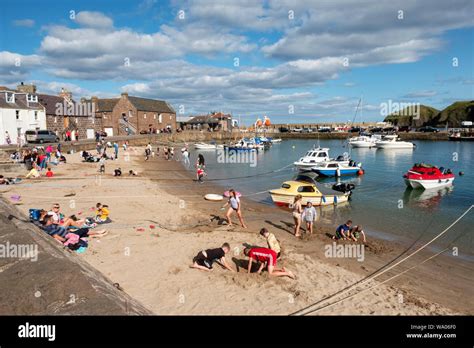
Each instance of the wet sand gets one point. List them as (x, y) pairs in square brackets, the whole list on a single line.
[(160, 221)]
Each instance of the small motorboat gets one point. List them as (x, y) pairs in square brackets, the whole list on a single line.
[(204, 146), (364, 141), (315, 156), (306, 185), (275, 141), (426, 176), (337, 168), (393, 142)]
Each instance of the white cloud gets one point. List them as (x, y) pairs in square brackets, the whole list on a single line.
[(93, 19)]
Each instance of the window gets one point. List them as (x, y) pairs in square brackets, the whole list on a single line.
[(323, 154), (144, 115), (10, 97), (36, 115), (160, 118), (154, 116), (17, 113), (171, 117), (306, 189), (130, 113), (18, 132), (285, 186), (333, 165), (32, 98), (55, 119)]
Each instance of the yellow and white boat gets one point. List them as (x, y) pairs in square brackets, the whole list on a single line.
[(306, 186)]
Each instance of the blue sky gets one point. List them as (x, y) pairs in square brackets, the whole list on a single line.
[(314, 57)]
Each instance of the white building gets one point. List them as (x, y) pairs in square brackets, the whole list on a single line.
[(20, 111)]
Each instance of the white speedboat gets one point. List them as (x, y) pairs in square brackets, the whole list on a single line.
[(204, 146), (393, 142), (316, 156), (364, 141)]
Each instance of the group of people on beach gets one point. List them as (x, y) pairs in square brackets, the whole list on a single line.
[(71, 231)]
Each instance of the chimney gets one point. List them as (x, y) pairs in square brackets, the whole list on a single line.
[(124, 95), (31, 89), (65, 94)]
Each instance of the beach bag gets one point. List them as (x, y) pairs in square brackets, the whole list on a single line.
[(34, 214)]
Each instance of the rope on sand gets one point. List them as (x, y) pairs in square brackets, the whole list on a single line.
[(308, 310)]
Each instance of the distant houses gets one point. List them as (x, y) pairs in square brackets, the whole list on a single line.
[(20, 111), (129, 115), (215, 121), (23, 109)]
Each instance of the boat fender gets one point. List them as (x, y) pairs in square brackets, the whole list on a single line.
[(359, 164), (338, 172), (360, 172), (335, 199), (323, 199)]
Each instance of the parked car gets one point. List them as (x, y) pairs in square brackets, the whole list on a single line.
[(376, 130), (297, 130), (41, 136), (404, 129), (307, 130), (324, 130), (355, 130), (428, 129), (283, 130)]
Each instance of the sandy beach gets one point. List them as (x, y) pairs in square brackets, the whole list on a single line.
[(161, 221)]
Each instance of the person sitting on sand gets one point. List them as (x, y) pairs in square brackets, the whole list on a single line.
[(49, 173), (33, 173), (118, 172), (102, 214), (204, 259), (342, 230), (267, 258), (132, 172), (355, 233), (272, 242), (234, 205), (309, 216)]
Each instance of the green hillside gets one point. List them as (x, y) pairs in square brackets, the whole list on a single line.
[(408, 116), (454, 114)]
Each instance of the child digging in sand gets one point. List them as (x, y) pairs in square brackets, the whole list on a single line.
[(205, 258), (271, 241), (267, 258)]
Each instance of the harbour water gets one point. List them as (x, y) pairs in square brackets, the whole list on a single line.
[(381, 203)]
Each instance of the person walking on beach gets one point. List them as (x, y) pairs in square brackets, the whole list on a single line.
[(205, 258), (185, 155), (267, 259), (309, 217), (234, 205), (102, 163), (272, 242), (116, 149), (297, 210)]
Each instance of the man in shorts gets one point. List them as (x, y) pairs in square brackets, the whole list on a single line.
[(205, 258), (266, 257)]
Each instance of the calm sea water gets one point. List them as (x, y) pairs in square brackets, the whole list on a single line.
[(380, 202)]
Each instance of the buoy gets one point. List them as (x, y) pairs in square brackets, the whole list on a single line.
[(461, 173), (338, 172), (360, 172)]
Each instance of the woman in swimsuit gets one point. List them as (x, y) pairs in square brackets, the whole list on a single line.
[(297, 210)]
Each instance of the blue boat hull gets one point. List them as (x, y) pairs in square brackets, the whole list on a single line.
[(332, 172)]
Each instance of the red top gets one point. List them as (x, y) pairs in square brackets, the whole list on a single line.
[(49, 174), (263, 255), (200, 171)]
